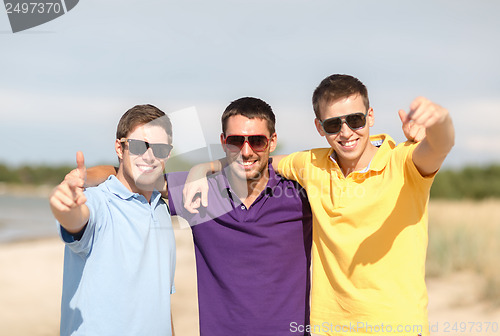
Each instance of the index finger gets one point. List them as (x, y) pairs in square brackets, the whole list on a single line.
[(417, 102)]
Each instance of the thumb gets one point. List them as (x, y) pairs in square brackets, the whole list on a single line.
[(80, 164)]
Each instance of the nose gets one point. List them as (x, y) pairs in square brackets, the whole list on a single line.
[(345, 130), (148, 156), (246, 150)]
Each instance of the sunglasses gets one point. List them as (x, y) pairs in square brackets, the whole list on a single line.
[(355, 121), (139, 147), (235, 143)]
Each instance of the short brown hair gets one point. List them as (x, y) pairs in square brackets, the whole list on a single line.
[(251, 108), (140, 115), (336, 87)]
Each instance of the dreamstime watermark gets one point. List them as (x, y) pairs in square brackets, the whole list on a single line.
[(26, 14)]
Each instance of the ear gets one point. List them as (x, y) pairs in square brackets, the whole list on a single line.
[(319, 128), (273, 141), (371, 117), (119, 149), (222, 142)]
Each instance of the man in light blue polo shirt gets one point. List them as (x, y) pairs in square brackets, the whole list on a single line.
[(120, 248)]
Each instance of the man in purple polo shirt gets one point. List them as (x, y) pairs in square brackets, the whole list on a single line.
[(253, 241)]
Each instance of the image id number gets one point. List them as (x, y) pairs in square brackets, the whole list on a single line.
[(33, 7), (470, 327)]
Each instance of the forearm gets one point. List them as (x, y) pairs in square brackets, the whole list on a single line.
[(441, 137), (73, 220), (203, 169), (433, 149), (98, 174)]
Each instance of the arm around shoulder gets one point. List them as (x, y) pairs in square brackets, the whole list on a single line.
[(98, 174)]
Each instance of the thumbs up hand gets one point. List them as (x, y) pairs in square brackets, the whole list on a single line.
[(69, 194), (67, 200)]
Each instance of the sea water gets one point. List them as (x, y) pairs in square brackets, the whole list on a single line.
[(25, 217)]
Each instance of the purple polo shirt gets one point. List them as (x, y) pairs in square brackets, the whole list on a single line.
[(252, 264)]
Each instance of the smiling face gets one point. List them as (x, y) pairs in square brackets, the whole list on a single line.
[(353, 148), (248, 164), (142, 173)]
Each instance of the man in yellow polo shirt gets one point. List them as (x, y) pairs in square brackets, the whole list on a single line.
[(369, 200)]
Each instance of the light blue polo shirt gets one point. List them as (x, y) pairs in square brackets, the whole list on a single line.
[(119, 276)]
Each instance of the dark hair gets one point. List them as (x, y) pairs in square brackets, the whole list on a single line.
[(336, 87), (141, 115), (251, 108)]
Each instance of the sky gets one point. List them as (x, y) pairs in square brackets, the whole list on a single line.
[(65, 84)]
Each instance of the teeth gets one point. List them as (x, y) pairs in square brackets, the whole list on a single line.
[(246, 163), (146, 168), (348, 143)]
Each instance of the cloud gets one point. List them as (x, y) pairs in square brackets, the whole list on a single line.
[(489, 144), (477, 127)]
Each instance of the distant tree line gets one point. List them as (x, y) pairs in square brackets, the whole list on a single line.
[(36, 175), (471, 182), (466, 183)]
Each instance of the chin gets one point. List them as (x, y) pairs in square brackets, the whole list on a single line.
[(243, 175), (148, 181)]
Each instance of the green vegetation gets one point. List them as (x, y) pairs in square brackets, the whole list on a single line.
[(35, 175), (472, 182)]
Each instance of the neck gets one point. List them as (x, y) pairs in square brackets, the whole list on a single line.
[(349, 166), (248, 190), (129, 183)]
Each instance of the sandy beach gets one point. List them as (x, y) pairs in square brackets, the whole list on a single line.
[(31, 278)]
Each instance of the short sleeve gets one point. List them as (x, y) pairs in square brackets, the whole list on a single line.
[(411, 171), (293, 166)]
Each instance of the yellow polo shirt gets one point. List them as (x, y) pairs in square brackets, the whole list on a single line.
[(369, 241)]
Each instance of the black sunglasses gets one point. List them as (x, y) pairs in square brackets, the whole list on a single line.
[(355, 121), (235, 143), (139, 147)]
